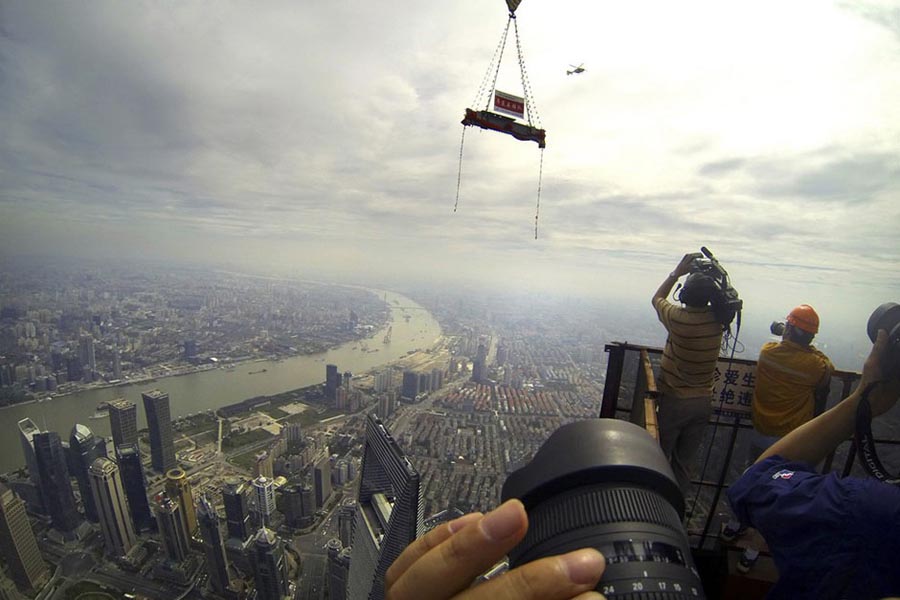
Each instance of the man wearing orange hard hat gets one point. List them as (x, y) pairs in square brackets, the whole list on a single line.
[(791, 375)]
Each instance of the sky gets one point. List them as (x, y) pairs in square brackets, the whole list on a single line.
[(324, 138)]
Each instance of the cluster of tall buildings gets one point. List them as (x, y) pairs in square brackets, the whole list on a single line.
[(112, 488), (419, 382), (339, 390)]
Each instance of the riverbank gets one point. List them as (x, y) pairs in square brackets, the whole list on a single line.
[(213, 388)]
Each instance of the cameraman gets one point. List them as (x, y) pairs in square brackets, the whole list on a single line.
[(688, 365), (830, 537), (792, 378)]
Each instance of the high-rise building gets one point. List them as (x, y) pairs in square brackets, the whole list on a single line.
[(265, 499), (410, 386), (479, 365), (424, 382), (437, 379), (112, 507), (213, 546), (159, 421), (293, 435), (17, 543), (123, 422), (264, 465), (386, 405), (347, 381), (502, 354), (332, 381), (346, 514), (269, 569), (338, 570), (179, 489), (388, 512), (86, 353), (237, 513), (384, 380), (84, 449), (175, 537), (117, 363), (322, 479), (132, 473), (27, 431), (55, 484)]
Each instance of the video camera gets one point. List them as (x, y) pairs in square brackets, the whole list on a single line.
[(725, 301)]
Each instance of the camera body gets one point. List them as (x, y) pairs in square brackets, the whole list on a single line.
[(887, 317), (725, 300)]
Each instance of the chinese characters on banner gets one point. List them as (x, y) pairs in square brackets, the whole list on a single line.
[(509, 104), (733, 389)]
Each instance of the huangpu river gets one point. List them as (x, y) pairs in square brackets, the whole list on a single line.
[(413, 328)]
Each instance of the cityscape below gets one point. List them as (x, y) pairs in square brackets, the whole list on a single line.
[(147, 456)]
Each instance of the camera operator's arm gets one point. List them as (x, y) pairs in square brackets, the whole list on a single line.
[(683, 268), (815, 439), (442, 564)]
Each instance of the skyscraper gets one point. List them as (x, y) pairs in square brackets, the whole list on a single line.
[(265, 499), (410, 386), (179, 489), (172, 530), (346, 514), (237, 513), (479, 365), (117, 363), (388, 515), (27, 431), (17, 543), (84, 449), (55, 484), (213, 546), (338, 570), (123, 422), (322, 479), (159, 421), (112, 507), (293, 434), (332, 381), (267, 558), (86, 353), (132, 473)]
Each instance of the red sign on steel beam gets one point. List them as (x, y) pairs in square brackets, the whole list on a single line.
[(509, 104)]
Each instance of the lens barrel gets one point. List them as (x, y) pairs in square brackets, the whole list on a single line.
[(606, 484), (887, 317)]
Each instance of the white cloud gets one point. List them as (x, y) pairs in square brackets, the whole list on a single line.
[(765, 131)]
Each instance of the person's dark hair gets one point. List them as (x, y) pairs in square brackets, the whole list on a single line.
[(698, 290), (797, 335)]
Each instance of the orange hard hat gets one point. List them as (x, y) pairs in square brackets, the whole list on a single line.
[(804, 317)]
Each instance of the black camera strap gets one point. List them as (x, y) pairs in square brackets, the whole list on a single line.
[(865, 441)]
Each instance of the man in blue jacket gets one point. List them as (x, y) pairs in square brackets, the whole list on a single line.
[(831, 537)]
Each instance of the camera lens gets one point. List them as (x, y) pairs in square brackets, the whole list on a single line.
[(606, 484), (887, 317), (777, 328)]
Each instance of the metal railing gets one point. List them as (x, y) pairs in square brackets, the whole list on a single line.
[(631, 393)]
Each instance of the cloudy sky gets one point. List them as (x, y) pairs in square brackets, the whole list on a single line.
[(324, 135)]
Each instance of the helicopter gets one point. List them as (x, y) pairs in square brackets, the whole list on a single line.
[(576, 70)]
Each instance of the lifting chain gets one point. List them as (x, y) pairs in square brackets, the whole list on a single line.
[(492, 70), (530, 106)]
